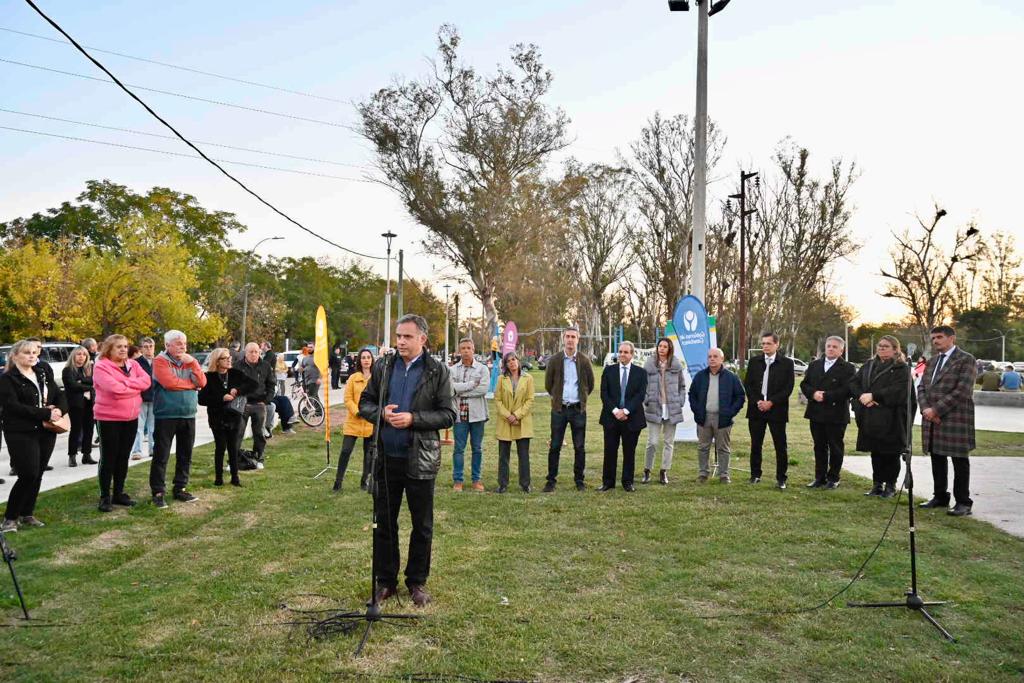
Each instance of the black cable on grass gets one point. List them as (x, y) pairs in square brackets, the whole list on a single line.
[(803, 610), (188, 142)]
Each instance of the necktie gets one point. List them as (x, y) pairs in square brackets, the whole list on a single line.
[(764, 380), (622, 386), (938, 366)]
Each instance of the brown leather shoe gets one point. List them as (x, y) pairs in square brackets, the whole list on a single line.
[(420, 596), (478, 486), (457, 486), (385, 592)]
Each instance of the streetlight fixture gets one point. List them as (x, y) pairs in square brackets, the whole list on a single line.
[(387, 293), (245, 287), (700, 121)]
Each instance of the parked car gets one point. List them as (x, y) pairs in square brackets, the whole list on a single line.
[(202, 357), (1018, 365), (799, 366), (542, 361), (289, 359), (54, 353)]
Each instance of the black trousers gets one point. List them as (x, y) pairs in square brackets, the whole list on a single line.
[(335, 378), (116, 441), (613, 435), (30, 453), (940, 474), (576, 420), (225, 427), (182, 430), (885, 468), (829, 450), (348, 444), (257, 413), (778, 429), (505, 455), (387, 502), (80, 436)]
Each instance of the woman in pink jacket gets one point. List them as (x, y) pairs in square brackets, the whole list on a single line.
[(118, 383)]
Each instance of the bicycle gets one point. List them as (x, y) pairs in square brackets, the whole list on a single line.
[(310, 408)]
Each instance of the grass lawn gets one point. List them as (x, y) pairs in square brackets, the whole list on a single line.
[(562, 587)]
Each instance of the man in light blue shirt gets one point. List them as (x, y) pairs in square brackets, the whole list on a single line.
[(1010, 381), (569, 379)]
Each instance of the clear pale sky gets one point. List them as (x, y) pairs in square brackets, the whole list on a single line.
[(923, 95)]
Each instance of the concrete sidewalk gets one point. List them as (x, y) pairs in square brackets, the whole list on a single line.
[(62, 474), (997, 487)]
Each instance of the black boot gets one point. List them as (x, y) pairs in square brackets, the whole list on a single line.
[(876, 490), (647, 477), (87, 459), (337, 485), (889, 491), (72, 460), (105, 505), (663, 476), (235, 481)]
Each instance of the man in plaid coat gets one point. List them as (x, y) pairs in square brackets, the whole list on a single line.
[(946, 399)]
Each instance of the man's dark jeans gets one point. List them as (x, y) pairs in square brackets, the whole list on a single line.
[(572, 417), (387, 503), (182, 430)]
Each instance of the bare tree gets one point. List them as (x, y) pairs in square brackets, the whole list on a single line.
[(1002, 282), (921, 273), (464, 153)]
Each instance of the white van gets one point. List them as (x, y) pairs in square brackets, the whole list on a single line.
[(56, 354)]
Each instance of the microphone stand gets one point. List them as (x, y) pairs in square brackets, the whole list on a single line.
[(9, 557), (913, 600)]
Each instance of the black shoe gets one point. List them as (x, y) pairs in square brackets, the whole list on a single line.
[(959, 510), (235, 481), (647, 477), (816, 484), (628, 488), (184, 496), (159, 502), (549, 487), (663, 477), (123, 499), (935, 503), (502, 489), (580, 486), (218, 481), (526, 489), (832, 485), (337, 486), (780, 485), (755, 480), (47, 468), (876, 490), (87, 460), (72, 461), (605, 487), (889, 491), (105, 505)]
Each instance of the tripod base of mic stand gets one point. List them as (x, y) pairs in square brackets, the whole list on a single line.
[(913, 602), (373, 615)]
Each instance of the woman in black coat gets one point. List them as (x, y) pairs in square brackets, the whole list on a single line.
[(881, 389), (28, 397), (223, 385), (77, 377)]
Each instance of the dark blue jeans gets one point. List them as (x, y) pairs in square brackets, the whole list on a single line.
[(576, 420), (474, 431)]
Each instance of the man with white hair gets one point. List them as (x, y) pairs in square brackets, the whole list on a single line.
[(826, 385), (259, 371), (716, 398), (177, 379)]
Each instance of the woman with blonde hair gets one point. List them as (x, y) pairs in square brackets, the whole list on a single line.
[(355, 426), (28, 397), (881, 391), (118, 382), (77, 376), (513, 399), (224, 384)]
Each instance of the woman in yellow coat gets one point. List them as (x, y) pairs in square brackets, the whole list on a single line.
[(513, 399), (355, 426)]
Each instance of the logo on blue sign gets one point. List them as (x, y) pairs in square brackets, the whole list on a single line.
[(693, 336)]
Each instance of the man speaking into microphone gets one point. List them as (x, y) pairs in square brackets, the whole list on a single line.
[(417, 405)]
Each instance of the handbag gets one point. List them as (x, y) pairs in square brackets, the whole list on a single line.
[(236, 405), (59, 426)]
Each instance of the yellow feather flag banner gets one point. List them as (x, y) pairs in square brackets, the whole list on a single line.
[(320, 360)]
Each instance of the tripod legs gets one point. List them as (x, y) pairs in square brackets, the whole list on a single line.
[(9, 557)]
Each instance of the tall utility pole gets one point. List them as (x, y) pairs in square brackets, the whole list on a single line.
[(705, 9), (245, 286), (446, 324), (401, 284), (387, 294), (744, 212)]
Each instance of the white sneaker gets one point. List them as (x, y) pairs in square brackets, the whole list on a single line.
[(259, 466)]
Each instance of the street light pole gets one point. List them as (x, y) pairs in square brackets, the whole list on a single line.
[(446, 324), (1002, 358), (387, 293), (245, 286), (744, 212)]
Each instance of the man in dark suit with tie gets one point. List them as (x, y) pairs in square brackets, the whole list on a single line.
[(826, 386), (623, 388), (769, 384)]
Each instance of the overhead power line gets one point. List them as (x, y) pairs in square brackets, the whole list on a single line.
[(180, 68), (195, 98), (181, 137), (171, 137), (181, 154)]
